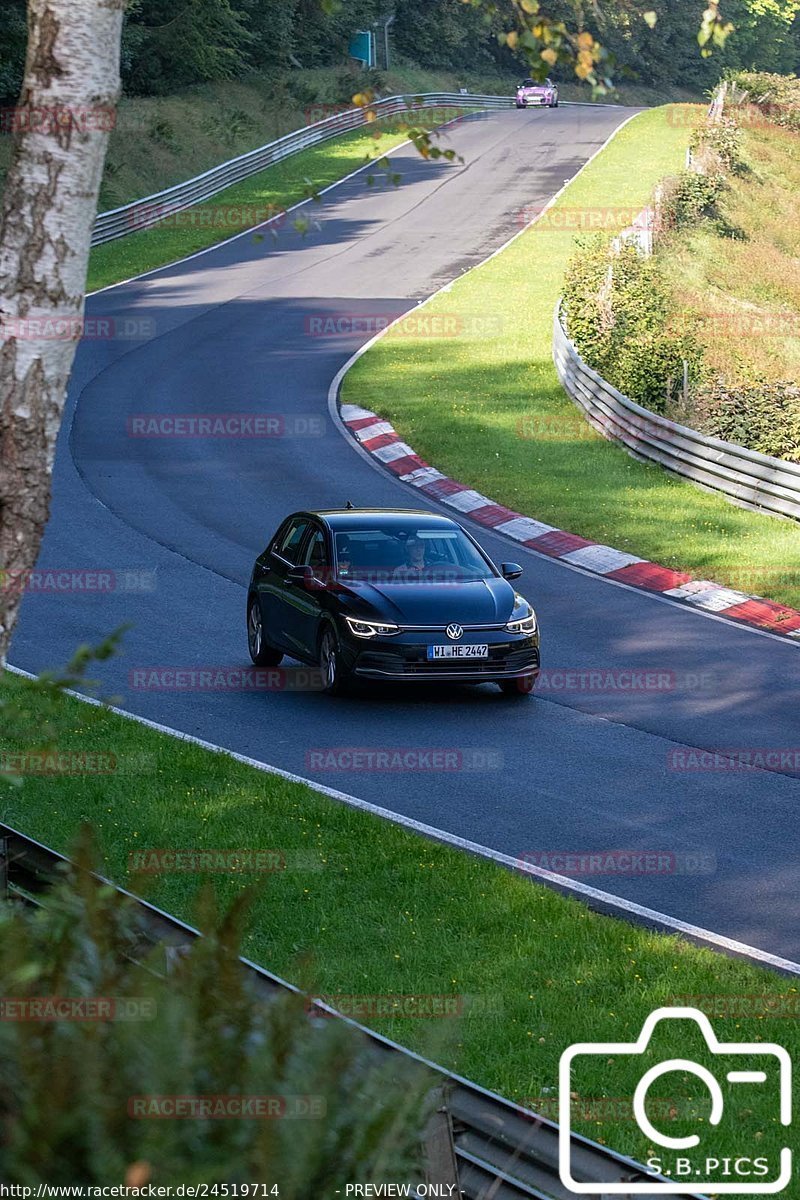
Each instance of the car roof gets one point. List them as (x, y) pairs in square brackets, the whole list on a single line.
[(353, 518)]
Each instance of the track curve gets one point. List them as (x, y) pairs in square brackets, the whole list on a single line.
[(572, 772)]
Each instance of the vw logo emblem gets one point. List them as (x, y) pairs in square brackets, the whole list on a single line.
[(454, 632)]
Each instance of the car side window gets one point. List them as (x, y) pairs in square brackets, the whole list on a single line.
[(288, 543), (315, 555)]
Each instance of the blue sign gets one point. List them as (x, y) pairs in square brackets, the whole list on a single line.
[(362, 47)]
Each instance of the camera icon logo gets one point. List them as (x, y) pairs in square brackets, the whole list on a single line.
[(704, 1171)]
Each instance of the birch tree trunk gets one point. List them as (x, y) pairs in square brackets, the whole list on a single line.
[(61, 127)]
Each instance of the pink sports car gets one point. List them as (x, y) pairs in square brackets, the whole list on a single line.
[(537, 95)]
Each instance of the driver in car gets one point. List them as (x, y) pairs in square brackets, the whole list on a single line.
[(414, 566)]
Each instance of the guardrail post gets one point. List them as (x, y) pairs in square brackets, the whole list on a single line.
[(173, 955), (438, 1146)]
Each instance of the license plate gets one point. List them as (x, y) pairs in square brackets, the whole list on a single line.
[(458, 652)]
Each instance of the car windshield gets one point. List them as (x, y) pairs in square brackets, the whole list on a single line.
[(527, 83), (407, 554)]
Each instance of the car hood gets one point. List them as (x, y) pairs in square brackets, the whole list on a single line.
[(539, 90), (483, 602)]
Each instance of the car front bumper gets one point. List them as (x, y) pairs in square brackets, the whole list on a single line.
[(405, 657)]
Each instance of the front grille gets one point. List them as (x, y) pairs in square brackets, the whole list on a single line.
[(499, 662), (392, 663), (453, 666)]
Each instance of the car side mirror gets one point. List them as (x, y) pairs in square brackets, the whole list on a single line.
[(304, 577), (511, 571)]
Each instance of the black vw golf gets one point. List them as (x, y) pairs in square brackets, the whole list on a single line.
[(393, 595)]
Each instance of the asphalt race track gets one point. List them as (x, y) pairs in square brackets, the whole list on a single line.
[(230, 332)]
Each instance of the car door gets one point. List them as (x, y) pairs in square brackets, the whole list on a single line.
[(277, 596), (308, 603)]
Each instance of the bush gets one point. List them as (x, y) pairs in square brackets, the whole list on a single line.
[(621, 326), (65, 1086), (723, 140), (691, 197), (777, 97), (761, 416)]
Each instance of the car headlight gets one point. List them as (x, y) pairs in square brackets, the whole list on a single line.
[(369, 629), (523, 624)]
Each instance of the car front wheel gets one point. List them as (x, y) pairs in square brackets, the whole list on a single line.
[(334, 675), (262, 654)]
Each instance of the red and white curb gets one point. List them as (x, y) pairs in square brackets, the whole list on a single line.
[(378, 438)]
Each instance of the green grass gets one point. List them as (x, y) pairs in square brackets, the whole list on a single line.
[(386, 912), (740, 284), (271, 191), (490, 411)]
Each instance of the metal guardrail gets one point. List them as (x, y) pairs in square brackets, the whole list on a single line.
[(141, 214), (720, 98), (489, 1147), (755, 480)]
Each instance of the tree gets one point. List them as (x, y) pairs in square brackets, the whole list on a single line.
[(167, 48), (442, 33), (67, 106), (323, 31), (12, 50), (272, 25), (766, 35)]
